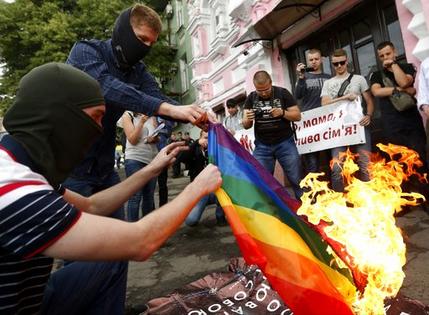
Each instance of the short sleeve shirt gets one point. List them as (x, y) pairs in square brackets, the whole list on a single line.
[(357, 86), (270, 130), (32, 217), (386, 106)]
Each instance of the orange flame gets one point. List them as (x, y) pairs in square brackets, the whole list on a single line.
[(362, 221)]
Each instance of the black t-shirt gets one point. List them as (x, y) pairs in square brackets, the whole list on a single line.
[(388, 111), (270, 130)]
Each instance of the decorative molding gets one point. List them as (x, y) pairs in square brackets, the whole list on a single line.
[(241, 11), (418, 26)]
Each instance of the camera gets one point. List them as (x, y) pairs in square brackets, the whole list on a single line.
[(307, 69), (261, 112)]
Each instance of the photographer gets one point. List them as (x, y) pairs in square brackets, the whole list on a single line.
[(308, 88), (273, 108)]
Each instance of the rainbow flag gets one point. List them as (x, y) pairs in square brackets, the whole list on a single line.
[(262, 215)]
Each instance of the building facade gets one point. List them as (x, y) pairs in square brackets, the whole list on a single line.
[(231, 40), (176, 21)]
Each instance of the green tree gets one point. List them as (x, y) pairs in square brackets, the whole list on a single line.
[(36, 32)]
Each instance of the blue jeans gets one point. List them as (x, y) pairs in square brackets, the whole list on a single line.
[(311, 162), (195, 215), (92, 288), (287, 155), (363, 150), (146, 193)]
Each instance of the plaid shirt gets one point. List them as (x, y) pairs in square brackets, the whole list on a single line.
[(135, 90)]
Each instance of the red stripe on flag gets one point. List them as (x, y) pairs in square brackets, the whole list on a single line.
[(304, 301), (325, 299), (294, 269)]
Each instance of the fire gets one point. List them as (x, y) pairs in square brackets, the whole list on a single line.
[(362, 221)]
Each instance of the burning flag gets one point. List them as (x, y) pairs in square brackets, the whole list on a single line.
[(342, 253), (362, 221), (262, 216)]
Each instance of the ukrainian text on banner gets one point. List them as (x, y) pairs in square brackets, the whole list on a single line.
[(329, 127)]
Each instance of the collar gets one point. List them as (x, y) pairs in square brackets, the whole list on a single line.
[(16, 151)]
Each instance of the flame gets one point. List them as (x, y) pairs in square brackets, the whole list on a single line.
[(362, 221)]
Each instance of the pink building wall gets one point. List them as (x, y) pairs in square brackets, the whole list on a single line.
[(410, 41)]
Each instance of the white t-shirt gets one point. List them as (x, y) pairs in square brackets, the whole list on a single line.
[(142, 151), (357, 86)]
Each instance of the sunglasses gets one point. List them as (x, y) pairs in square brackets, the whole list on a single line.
[(339, 63)]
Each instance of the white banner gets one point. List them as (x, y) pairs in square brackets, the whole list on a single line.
[(330, 126), (246, 137)]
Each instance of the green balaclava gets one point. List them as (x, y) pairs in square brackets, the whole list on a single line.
[(47, 118)]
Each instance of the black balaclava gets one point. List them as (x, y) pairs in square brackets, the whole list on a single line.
[(47, 118), (128, 49)]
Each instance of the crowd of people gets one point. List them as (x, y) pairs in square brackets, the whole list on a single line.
[(61, 196), (271, 110)]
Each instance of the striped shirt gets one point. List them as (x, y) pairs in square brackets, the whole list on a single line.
[(32, 217)]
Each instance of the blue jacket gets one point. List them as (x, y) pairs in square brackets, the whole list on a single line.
[(135, 90)]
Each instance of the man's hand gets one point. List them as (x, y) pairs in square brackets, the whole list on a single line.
[(365, 121), (167, 156), (350, 96), (409, 90), (299, 70), (188, 113), (249, 115), (388, 63), (277, 112), (208, 180)]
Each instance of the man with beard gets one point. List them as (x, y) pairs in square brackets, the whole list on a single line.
[(273, 108), (56, 116)]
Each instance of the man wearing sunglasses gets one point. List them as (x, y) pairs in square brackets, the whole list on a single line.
[(346, 86)]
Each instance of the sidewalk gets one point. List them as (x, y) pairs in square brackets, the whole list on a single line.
[(188, 255), (192, 253)]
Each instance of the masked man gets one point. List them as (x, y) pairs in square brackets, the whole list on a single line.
[(56, 117)]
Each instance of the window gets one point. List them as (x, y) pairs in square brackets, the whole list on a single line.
[(393, 29), (361, 31), (179, 13), (196, 46), (218, 87), (238, 74), (366, 59), (184, 74)]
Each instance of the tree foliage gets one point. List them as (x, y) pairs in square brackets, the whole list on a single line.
[(36, 32)]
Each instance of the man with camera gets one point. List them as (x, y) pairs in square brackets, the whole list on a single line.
[(307, 89), (273, 108)]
